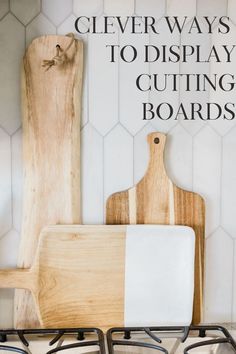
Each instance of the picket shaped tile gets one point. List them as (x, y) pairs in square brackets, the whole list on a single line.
[(4, 7), (207, 174), (57, 10), (232, 10), (212, 7), (9, 245), (91, 175), (119, 8), (131, 98), (219, 271), (5, 183), (178, 157), (141, 152), (25, 10), (17, 179), (193, 123), (12, 36), (181, 8), (88, 7), (118, 161), (103, 82), (228, 183), (221, 125), (163, 96), (39, 27), (66, 27), (154, 8)]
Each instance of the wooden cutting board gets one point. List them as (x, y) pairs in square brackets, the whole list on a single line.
[(157, 200), (105, 276), (51, 104)]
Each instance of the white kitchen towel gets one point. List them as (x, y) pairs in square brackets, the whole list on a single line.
[(159, 275)]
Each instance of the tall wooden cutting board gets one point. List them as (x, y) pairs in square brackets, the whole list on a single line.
[(156, 200), (51, 102)]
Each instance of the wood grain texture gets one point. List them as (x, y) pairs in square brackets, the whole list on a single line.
[(77, 279), (51, 106), (102, 275), (156, 200)]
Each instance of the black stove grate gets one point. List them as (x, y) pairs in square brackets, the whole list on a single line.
[(80, 334), (122, 336), (182, 332)]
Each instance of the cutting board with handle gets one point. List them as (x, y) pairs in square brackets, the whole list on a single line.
[(51, 104), (157, 200), (104, 276)]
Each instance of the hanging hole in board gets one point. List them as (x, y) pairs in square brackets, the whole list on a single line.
[(156, 140)]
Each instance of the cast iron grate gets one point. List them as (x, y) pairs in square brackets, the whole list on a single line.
[(181, 332), (81, 339)]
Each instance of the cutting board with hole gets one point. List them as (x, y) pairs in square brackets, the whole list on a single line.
[(157, 200), (104, 276), (51, 103)]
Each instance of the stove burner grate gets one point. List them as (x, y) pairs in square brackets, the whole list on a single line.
[(183, 332), (80, 334)]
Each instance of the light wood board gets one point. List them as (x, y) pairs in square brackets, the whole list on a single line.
[(84, 276), (157, 200), (51, 106)]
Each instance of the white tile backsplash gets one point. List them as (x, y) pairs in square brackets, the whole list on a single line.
[(229, 183), (92, 175), (114, 150), (181, 7), (4, 7), (231, 10), (5, 184), (160, 68), (119, 8), (63, 29), (223, 126), (118, 161), (179, 157), (88, 7), (9, 245), (141, 152), (38, 27), (57, 10), (17, 179), (219, 273), (154, 8), (12, 43), (25, 10), (103, 83), (190, 66), (212, 7), (207, 174), (131, 110)]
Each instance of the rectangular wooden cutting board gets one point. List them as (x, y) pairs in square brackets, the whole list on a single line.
[(156, 200), (51, 106), (108, 276)]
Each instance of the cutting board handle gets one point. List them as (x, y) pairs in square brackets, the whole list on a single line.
[(156, 167), (17, 278)]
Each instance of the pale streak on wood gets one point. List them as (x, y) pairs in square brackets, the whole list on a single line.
[(159, 201), (51, 106), (132, 206), (78, 277), (171, 204)]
